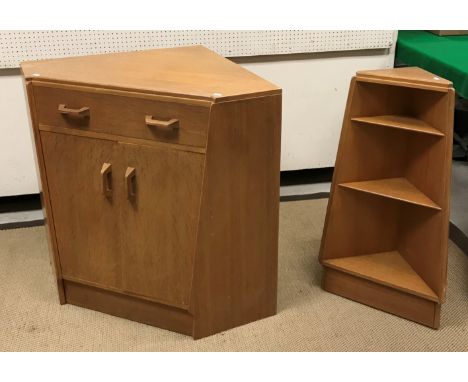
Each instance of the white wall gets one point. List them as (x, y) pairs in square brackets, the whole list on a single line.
[(18, 171), (315, 88)]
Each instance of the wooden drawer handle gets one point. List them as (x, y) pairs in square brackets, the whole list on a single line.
[(130, 185), (106, 179), (82, 113), (171, 124)]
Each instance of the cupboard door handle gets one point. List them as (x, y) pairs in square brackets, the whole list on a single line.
[(130, 185), (172, 124), (81, 113), (106, 179)]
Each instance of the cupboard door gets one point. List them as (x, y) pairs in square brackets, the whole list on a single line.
[(159, 221), (83, 205)]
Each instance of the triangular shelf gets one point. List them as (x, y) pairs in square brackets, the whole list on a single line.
[(385, 268), (393, 188), (400, 122)]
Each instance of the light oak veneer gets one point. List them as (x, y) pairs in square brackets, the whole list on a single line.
[(160, 183), (386, 231)]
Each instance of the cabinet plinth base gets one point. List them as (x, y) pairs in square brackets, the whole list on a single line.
[(132, 308), (381, 297)]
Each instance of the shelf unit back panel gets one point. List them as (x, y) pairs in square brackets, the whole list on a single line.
[(356, 215), (423, 240)]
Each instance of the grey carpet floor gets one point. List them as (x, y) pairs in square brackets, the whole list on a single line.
[(308, 318)]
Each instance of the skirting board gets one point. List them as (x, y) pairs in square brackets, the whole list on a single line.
[(128, 307)]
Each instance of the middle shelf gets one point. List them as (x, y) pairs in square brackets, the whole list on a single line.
[(386, 268), (401, 123), (393, 188)]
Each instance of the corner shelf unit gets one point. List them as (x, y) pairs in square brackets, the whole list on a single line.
[(386, 231)]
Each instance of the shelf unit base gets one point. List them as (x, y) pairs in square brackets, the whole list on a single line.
[(381, 297)]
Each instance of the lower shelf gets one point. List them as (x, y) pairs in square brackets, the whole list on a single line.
[(386, 268)]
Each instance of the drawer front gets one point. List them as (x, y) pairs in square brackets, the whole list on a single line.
[(122, 115)]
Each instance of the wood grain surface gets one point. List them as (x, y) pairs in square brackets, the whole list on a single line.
[(123, 116), (159, 225), (394, 188), (86, 221), (386, 268), (44, 191), (391, 188), (164, 197), (235, 274), (381, 297), (400, 122), (190, 72)]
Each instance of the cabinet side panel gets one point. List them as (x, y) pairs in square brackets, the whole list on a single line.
[(44, 192), (235, 275)]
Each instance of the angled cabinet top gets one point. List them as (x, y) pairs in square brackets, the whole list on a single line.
[(189, 72)]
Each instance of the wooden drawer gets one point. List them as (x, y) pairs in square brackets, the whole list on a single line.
[(121, 115)]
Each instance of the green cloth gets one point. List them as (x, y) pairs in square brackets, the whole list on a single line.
[(444, 56)]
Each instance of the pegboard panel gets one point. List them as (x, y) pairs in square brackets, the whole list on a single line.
[(18, 46)]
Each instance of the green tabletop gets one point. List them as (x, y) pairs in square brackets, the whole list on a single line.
[(445, 56)]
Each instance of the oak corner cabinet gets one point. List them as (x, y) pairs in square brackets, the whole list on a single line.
[(386, 230), (160, 185)]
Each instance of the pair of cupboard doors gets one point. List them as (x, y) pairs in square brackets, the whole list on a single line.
[(125, 214)]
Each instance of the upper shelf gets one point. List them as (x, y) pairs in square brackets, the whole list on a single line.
[(386, 268), (400, 122), (394, 188)]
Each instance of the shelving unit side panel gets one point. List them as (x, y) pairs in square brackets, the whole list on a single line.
[(337, 172), (424, 236), (348, 213)]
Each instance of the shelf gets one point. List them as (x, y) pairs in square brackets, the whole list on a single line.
[(394, 188), (401, 123), (386, 268)]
